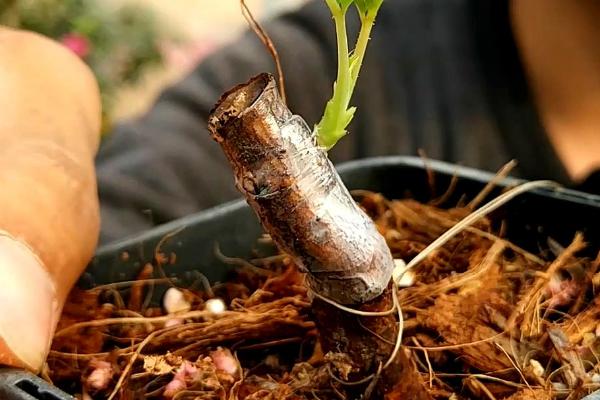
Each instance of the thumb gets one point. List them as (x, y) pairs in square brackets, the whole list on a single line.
[(28, 303)]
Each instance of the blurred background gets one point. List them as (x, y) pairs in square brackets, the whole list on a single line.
[(137, 47)]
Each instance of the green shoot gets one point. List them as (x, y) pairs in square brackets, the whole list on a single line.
[(338, 113)]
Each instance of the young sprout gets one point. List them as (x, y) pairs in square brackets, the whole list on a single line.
[(338, 113)]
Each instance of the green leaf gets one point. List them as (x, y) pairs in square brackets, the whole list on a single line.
[(344, 4), (362, 6), (368, 7)]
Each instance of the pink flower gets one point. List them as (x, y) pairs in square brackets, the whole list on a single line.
[(186, 372), (101, 376), (174, 387), (78, 44), (224, 361), (561, 292)]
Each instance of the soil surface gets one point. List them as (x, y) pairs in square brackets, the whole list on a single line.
[(483, 319)]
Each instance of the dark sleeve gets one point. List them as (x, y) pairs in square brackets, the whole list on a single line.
[(165, 165)]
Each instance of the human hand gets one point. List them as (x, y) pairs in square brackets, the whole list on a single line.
[(49, 219)]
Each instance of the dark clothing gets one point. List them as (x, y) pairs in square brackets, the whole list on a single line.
[(439, 75)]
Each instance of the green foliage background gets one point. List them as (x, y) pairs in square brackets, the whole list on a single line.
[(123, 42)]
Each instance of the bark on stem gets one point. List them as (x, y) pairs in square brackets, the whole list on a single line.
[(369, 341), (297, 194)]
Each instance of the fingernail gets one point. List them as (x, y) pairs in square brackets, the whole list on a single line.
[(27, 305)]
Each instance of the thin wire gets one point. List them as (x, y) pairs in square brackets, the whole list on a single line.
[(352, 310), (397, 346), (475, 216), (349, 383), (377, 335), (440, 241), (400, 330)]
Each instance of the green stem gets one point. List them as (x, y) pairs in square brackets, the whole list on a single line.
[(338, 113), (343, 85), (333, 124), (361, 47), (333, 6)]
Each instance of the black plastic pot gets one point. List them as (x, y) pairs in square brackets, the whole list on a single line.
[(530, 220)]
